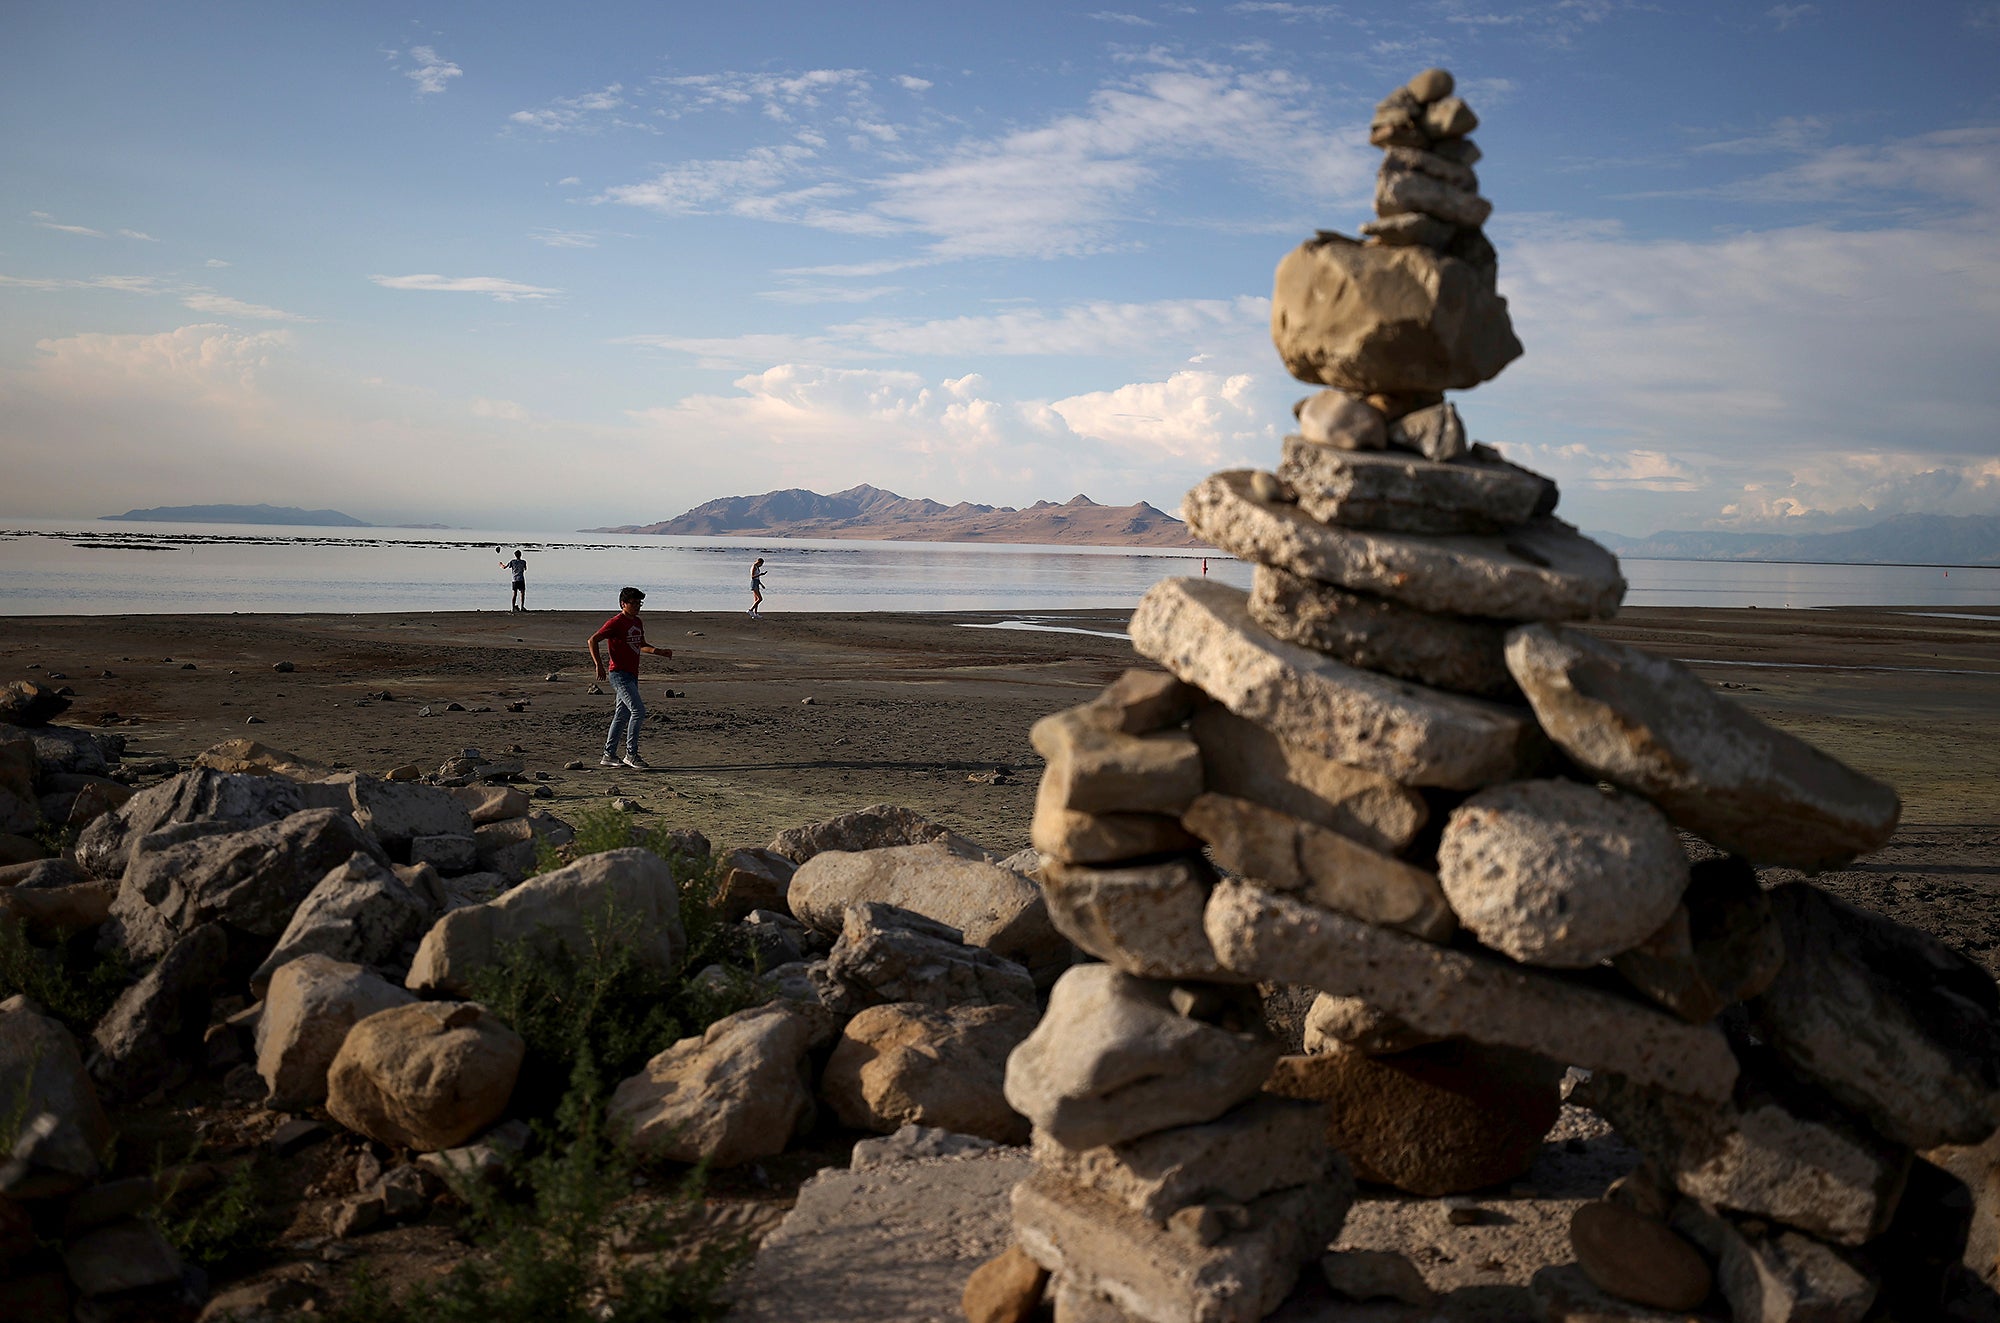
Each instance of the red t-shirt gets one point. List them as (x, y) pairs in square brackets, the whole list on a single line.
[(626, 636)]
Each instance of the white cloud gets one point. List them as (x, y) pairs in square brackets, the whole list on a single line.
[(137, 234), (553, 238), (1129, 20), (204, 363), (807, 294), (46, 222), (215, 262), (1202, 418), (122, 284), (504, 410), (911, 83), (577, 114), (1959, 167), (1788, 16), (221, 305), (431, 73), (505, 291)]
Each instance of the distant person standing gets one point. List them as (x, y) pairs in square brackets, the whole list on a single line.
[(519, 569), (624, 637), (757, 588)]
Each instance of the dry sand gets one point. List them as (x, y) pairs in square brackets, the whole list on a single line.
[(925, 709)]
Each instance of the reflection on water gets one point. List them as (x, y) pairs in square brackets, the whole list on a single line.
[(89, 568)]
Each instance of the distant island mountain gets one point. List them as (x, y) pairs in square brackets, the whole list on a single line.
[(245, 514), (1908, 539), (871, 514)]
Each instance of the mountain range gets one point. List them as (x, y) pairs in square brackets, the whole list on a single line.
[(242, 514), (870, 513), (1907, 539)]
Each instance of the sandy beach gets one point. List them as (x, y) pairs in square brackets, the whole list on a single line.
[(797, 717)]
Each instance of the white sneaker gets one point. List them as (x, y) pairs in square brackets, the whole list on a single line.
[(634, 760), (608, 761)]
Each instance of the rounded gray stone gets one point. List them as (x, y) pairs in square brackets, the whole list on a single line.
[(1558, 873)]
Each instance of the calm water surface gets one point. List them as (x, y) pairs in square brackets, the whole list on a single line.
[(89, 567)]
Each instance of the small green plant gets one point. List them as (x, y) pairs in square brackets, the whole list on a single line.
[(71, 980), (576, 1246), (219, 1223), (55, 837)]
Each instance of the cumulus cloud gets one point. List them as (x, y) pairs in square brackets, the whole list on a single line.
[(911, 83), (429, 71), (504, 291), (1193, 416)]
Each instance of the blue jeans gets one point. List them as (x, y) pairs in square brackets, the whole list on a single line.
[(626, 715)]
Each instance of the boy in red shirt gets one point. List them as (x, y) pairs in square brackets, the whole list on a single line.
[(625, 638)]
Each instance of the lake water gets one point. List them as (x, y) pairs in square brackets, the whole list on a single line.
[(89, 567)]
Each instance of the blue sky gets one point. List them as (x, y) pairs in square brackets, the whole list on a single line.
[(497, 264)]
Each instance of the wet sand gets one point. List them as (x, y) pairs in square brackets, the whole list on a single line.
[(932, 711)]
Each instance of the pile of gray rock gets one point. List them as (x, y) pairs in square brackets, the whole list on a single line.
[(1399, 772)]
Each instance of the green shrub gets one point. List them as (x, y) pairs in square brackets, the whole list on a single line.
[(219, 1223), (72, 981), (551, 1256)]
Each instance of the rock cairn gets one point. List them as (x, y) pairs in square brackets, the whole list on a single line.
[(1397, 772)]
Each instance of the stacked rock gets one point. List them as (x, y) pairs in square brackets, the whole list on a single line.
[(1398, 773)]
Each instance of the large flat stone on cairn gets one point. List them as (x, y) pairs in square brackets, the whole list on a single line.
[(1649, 724), (1457, 993), (1101, 1247), (1203, 633), (1287, 854), (1145, 918), (1102, 838), (1241, 759), (1721, 944), (1267, 1144), (1459, 653), (1543, 570), (1117, 1057), (1377, 318), (1792, 1159), (1886, 1019), (1404, 493), (1095, 770)]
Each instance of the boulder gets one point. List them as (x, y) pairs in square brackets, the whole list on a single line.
[(1434, 1120), (1404, 493), (913, 1143), (886, 954), (488, 803), (426, 1076), (1289, 854), (1435, 990), (1268, 1143), (1202, 631), (1651, 725), (310, 1005), (60, 1128), (1098, 1247), (395, 811), (1117, 1057), (626, 896), (119, 1258), (20, 813), (879, 826), (736, 1093), (201, 795), (49, 913), (1544, 570), (360, 911), (1459, 653), (1400, 192), (251, 880), (255, 759), (1006, 1289), (1342, 420), (154, 1030), (29, 703), (1241, 759), (753, 879), (1140, 702), (1720, 945), (507, 847), (62, 749), (1144, 918), (447, 854), (1101, 838), (1559, 874), (994, 907), (1368, 318), (1886, 1019), (910, 1063)]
